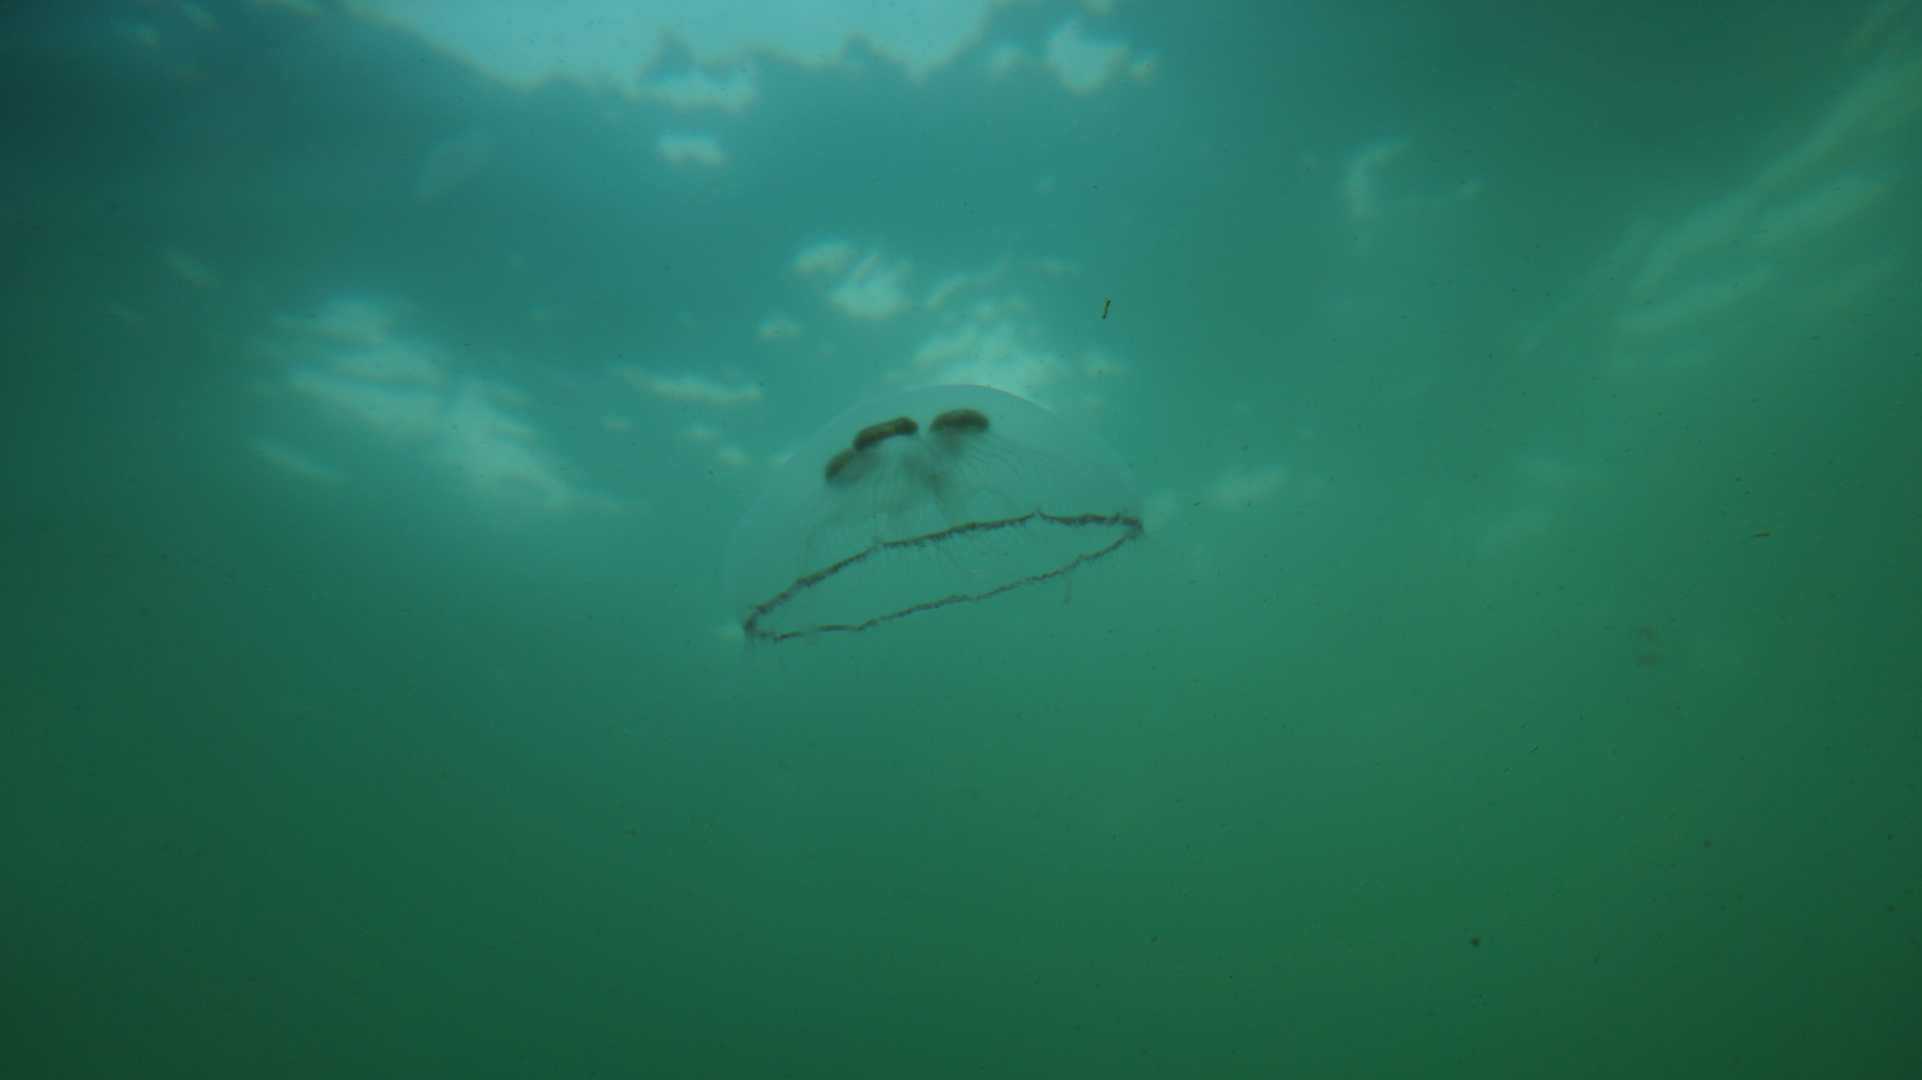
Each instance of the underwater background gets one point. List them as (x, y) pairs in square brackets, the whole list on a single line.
[(1518, 678)]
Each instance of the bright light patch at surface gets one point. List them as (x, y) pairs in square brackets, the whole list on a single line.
[(689, 387), (700, 148), (349, 360), (1084, 62), (823, 257), (698, 89), (615, 43), (874, 289)]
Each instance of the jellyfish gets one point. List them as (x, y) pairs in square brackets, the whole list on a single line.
[(920, 500)]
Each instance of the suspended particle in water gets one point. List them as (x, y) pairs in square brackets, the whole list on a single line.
[(920, 500)]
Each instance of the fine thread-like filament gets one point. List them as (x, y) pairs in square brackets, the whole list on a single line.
[(1130, 525)]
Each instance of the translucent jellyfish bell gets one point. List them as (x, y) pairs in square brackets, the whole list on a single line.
[(922, 499)]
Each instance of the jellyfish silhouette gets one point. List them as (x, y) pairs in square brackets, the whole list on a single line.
[(923, 499)]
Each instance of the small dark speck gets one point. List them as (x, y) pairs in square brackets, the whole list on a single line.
[(1154, 939), (1708, 843), (1760, 535), (1474, 941)]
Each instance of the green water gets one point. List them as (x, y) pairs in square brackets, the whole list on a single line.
[(1518, 677)]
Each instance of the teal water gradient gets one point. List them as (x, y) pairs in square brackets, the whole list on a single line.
[(1518, 677)]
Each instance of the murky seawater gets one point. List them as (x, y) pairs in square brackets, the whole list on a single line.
[(1516, 677)]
